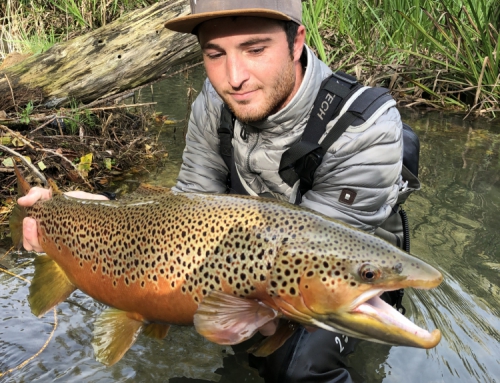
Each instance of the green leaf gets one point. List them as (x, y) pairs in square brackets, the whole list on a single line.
[(41, 165), (8, 162), (107, 163), (85, 162), (5, 140), (17, 142)]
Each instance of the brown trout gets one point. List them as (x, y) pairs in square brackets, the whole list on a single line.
[(229, 264)]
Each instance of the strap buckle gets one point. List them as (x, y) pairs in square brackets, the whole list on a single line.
[(345, 77)]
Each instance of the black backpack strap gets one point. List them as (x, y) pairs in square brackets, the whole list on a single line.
[(411, 154), (334, 92), (301, 160), (226, 132), (359, 111)]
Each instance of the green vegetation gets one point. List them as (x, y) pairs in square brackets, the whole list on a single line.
[(443, 53), (24, 115), (33, 26), (439, 53)]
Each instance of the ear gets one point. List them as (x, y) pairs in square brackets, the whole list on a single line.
[(298, 45)]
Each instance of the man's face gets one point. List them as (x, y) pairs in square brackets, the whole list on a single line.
[(248, 62)]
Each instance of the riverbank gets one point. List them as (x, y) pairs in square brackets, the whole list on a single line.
[(440, 54)]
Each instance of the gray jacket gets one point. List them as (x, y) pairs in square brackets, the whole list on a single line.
[(366, 159)]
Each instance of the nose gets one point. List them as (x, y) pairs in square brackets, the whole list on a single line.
[(237, 72)]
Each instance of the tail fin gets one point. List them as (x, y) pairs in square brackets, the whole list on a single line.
[(19, 212)]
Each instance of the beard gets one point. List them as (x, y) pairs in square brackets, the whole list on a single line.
[(275, 100)]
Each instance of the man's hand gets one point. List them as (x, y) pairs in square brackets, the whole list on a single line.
[(30, 231)]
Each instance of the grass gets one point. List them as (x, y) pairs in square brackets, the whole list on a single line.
[(442, 53), (33, 26), (435, 52)]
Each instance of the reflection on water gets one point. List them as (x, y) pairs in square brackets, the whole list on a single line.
[(454, 227)]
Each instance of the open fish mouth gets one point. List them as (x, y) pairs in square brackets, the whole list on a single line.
[(378, 309), (370, 318)]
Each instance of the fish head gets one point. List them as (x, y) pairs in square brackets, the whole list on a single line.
[(338, 283)]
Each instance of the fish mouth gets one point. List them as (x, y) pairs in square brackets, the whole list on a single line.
[(370, 318), (378, 309)]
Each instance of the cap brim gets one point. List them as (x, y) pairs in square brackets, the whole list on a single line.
[(187, 24)]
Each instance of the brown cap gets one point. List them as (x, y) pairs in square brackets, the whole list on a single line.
[(203, 10)]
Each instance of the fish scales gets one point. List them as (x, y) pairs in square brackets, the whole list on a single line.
[(177, 246), (230, 264), (184, 246)]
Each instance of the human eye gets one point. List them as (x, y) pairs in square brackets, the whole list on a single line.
[(256, 50), (213, 55)]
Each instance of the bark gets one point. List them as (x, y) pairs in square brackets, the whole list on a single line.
[(131, 51)]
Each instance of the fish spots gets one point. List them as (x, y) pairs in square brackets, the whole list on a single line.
[(192, 244)]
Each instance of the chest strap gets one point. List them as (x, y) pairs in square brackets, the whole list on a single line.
[(302, 159)]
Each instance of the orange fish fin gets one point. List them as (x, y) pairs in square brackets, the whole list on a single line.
[(19, 212), (23, 187), (49, 287), (225, 319), (53, 187), (16, 225), (114, 333), (156, 330), (270, 344)]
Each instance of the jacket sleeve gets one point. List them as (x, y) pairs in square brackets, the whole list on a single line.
[(203, 169), (362, 167)]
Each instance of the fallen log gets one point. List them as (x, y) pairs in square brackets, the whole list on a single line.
[(131, 51)]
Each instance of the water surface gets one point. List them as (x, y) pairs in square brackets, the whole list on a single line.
[(454, 226)]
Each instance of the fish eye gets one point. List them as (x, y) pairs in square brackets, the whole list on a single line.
[(369, 273)]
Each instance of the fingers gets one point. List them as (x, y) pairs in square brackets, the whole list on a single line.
[(30, 235), (269, 328), (34, 195)]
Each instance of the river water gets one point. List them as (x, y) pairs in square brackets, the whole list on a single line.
[(454, 226)]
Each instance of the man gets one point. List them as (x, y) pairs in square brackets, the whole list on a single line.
[(259, 66)]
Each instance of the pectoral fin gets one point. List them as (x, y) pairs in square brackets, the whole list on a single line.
[(225, 319), (270, 344), (156, 330), (49, 287), (114, 333)]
